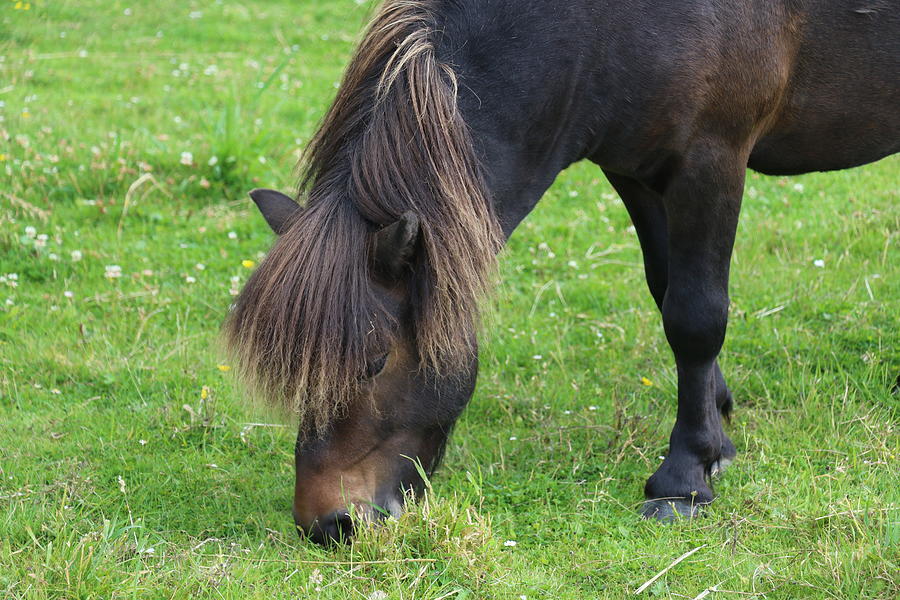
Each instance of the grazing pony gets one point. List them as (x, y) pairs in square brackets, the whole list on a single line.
[(452, 120)]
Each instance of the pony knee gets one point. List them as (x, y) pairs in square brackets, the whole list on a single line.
[(695, 324)]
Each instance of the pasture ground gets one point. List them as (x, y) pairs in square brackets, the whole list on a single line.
[(130, 465)]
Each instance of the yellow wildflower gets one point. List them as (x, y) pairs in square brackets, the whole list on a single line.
[(204, 393), (223, 368), (646, 381), (248, 263)]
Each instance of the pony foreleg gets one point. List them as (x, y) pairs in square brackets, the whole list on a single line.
[(648, 215), (701, 207)]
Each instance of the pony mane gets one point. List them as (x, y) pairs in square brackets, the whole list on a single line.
[(307, 320)]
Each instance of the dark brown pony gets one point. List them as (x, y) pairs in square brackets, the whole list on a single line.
[(452, 120)]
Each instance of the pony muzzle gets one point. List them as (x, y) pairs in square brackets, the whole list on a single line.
[(340, 525), (330, 529)]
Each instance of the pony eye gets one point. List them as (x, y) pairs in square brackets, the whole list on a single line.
[(376, 366)]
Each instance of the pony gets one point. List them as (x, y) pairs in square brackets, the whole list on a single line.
[(452, 120)]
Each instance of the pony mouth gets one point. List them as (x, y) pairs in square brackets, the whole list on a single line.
[(340, 526)]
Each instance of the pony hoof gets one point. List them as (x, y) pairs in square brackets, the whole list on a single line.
[(669, 511), (719, 466)]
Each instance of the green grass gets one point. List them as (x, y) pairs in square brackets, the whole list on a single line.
[(117, 479)]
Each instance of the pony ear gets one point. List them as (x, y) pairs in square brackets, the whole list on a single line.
[(277, 208), (394, 246)]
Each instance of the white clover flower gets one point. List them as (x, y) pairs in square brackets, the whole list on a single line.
[(190, 279), (819, 263), (30, 231), (75, 255), (69, 294), (200, 266), (113, 271), (509, 543), (187, 158), (232, 235)]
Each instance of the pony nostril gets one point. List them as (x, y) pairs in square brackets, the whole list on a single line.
[(334, 528)]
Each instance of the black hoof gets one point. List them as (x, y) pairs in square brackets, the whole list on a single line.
[(726, 457), (670, 511), (719, 466)]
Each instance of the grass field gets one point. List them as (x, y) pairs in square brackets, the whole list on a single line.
[(130, 466)]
